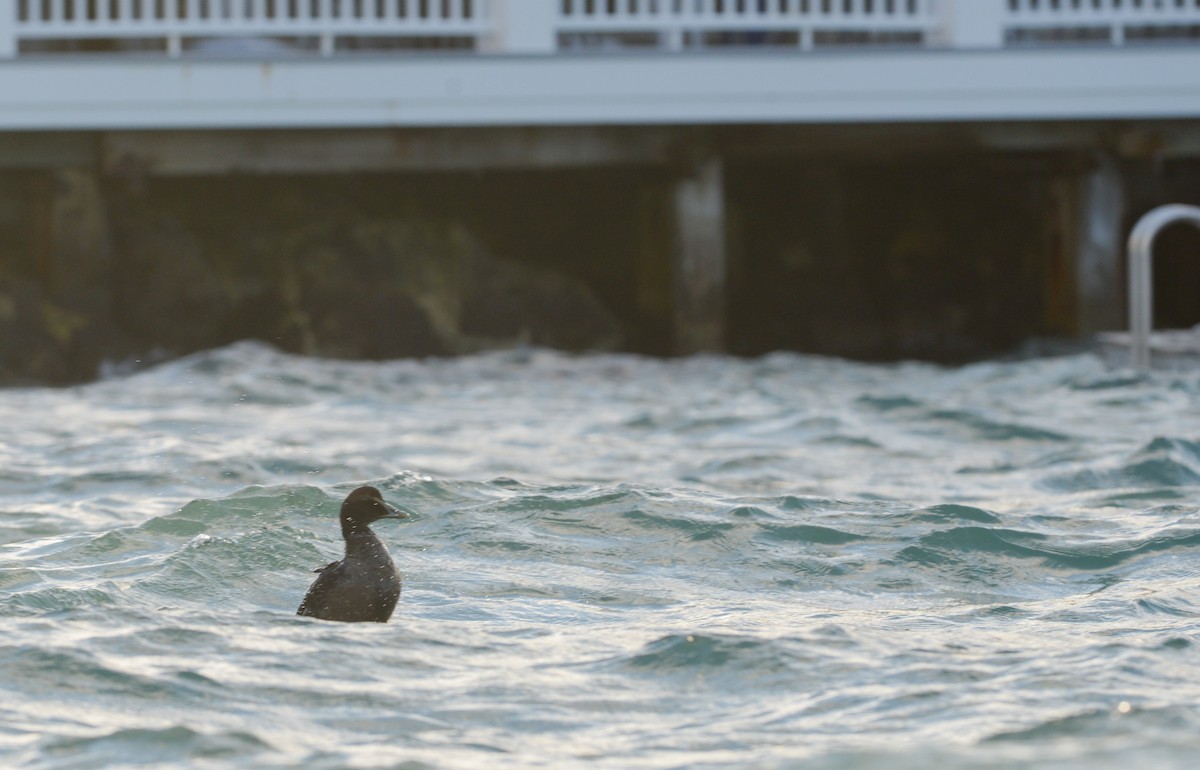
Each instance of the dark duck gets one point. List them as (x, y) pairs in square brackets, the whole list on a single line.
[(364, 586)]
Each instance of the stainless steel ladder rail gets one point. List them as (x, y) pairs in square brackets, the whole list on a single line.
[(1141, 289)]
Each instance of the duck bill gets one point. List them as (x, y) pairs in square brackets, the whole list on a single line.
[(395, 513)]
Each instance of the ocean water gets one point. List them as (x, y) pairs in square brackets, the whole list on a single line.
[(614, 562)]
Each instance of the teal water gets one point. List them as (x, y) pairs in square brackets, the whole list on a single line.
[(614, 562)]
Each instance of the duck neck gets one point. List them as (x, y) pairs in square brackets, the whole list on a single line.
[(357, 535)]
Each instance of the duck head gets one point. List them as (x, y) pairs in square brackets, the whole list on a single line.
[(363, 506)]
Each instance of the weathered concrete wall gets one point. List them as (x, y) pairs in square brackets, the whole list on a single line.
[(306, 264), (875, 242), (928, 258)]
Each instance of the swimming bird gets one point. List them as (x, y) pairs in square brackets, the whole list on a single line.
[(364, 585)]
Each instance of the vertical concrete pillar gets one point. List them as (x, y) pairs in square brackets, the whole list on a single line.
[(68, 321), (654, 266), (76, 254), (521, 27), (700, 269), (1083, 288), (8, 30), (1060, 303), (1099, 238), (970, 23)]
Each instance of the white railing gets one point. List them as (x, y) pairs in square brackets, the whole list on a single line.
[(684, 24), (179, 27), (291, 24), (1103, 22)]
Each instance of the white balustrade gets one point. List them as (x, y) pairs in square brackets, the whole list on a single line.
[(674, 24), (1101, 22), (118, 21), (550, 26)]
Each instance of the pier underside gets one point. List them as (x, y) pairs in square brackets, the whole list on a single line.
[(942, 242)]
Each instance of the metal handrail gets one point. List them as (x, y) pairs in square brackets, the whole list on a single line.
[(1141, 290)]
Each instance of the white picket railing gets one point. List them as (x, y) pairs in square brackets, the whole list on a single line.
[(1102, 22), (175, 22), (179, 27), (683, 24)]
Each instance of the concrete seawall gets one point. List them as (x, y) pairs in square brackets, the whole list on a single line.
[(882, 241)]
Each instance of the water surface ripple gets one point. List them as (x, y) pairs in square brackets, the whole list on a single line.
[(614, 562)]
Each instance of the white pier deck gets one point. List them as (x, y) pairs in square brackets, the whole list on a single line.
[(200, 64)]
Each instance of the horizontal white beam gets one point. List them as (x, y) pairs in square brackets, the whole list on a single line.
[(475, 90)]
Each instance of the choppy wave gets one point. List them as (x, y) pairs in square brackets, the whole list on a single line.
[(612, 562)]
